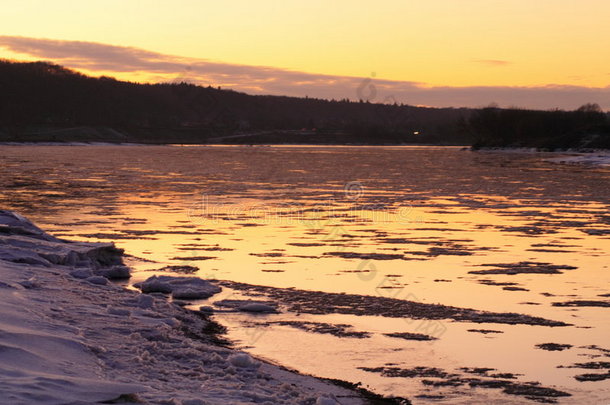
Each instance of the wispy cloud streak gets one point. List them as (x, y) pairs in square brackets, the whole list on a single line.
[(97, 57), (493, 62)]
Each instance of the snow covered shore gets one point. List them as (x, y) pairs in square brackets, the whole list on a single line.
[(69, 336), (572, 157), (591, 159)]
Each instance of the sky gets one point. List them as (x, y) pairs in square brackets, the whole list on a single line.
[(537, 54)]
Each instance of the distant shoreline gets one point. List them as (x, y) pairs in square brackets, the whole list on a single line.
[(49, 103), (263, 145), (236, 145)]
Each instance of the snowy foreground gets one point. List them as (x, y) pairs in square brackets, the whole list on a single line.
[(69, 336)]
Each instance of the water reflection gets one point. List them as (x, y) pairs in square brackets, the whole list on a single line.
[(410, 223)]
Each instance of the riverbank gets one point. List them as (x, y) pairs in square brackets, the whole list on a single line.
[(71, 336), (588, 157)]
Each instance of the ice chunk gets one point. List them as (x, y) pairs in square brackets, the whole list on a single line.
[(154, 284), (23, 242), (191, 293), (98, 280), (16, 255), (243, 360), (146, 301), (114, 272), (15, 224), (81, 273), (258, 306), (179, 287)]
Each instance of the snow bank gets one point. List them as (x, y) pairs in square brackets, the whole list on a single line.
[(68, 336), (23, 242), (593, 159)]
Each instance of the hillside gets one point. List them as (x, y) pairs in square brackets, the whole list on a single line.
[(44, 102)]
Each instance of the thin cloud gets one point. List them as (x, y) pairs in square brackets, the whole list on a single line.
[(96, 57), (493, 62)]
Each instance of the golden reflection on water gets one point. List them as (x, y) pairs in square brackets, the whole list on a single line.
[(291, 216)]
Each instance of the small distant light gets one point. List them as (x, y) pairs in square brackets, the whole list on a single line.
[(416, 133)]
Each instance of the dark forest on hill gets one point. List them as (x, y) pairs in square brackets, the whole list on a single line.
[(44, 102)]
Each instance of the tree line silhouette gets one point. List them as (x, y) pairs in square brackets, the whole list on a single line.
[(41, 101)]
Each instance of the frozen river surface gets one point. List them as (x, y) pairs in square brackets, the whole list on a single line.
[(356, 246)]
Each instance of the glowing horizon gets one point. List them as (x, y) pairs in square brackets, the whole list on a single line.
[(490, 48)]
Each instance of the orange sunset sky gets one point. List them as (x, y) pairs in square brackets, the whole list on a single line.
[(541, 54)]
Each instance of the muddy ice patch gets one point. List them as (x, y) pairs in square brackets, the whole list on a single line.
[(410, 336), (583, 303), (251, 306), (463, 378), (523, 268), (602, 369), (338, 330), (322, 303), (553, 347)]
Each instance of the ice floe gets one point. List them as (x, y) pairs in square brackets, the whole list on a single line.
[(184, 288)]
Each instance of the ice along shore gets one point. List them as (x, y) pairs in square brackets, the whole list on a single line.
[(68, 335)]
